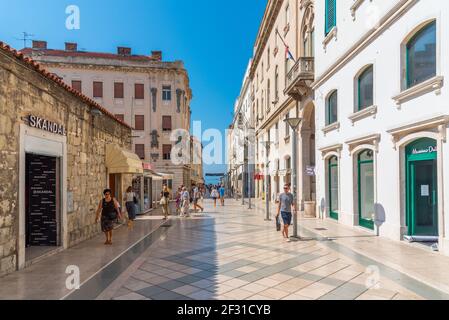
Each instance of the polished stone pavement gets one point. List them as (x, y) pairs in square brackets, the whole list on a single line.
[(98, 265), (232, 253)]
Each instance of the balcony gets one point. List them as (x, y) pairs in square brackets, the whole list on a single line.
[(300, 77)]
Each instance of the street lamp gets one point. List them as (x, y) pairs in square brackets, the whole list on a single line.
[(294, 124), (267, 145)]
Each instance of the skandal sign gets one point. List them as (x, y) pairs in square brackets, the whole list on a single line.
[(46, 125), (427, 150)]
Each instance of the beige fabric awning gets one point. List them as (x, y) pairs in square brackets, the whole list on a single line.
[(166, 176), (119, 160)]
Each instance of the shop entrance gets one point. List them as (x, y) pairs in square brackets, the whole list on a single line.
[(422, 188), (42, 205)]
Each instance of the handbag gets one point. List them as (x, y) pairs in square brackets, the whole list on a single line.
[(278, 224), (135, 200)]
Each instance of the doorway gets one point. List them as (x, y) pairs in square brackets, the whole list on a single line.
[(422, 188)]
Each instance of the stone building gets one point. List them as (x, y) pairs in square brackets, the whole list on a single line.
[(55, 159), (150, 94), (282, 71)]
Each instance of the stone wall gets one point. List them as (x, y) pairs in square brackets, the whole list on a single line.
[(24, 91)]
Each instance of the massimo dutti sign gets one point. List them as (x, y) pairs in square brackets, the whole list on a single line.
[(46, 125)]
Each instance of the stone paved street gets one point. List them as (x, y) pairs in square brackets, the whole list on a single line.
[(232, 253)]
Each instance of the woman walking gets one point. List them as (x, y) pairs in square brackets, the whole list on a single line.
[(215, 195), (109, 211), (165, 201), (130, 203), (185, 203), (178, 201)]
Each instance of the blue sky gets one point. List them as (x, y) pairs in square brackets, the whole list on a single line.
[(214, 38)]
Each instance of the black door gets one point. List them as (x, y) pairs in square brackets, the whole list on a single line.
[(41, 201)]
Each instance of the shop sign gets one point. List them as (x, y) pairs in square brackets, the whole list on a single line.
[(310, 171), (46, 125), (428, 150)]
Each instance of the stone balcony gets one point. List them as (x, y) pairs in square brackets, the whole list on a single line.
[(300, 76)]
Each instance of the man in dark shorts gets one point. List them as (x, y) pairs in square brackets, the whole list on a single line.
[(285, 209)]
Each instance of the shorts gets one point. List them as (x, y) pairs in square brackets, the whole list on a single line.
[(287, 218)]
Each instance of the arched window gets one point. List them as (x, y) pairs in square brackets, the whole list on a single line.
[(365, 83), (421, 56), (332, 108)]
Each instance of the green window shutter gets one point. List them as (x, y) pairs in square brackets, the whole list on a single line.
[(331, 15)]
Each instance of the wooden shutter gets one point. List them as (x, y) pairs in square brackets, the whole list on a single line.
[(331, 15), (77, 85), (166, 123), (166, 151), (139, 91), (120, 117), (98, 89), (140, 151), (119, 90), (139, 122)]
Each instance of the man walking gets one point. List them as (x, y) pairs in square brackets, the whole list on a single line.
[(196, 198), (222, 192), (286, 206), (185, 203)]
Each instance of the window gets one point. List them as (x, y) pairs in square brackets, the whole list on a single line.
[(332, 108), (268, 58), (276, 84), (77, 85), (120, 117), (166, 93), (166, 151), (119, 90), (139, 122), (139, 91), (287, 126), (287, 16), (365, 89), (140, 151), (421, 56), (262, 75), (166, 123), (331, 15), (276, 133), (98, 89), (366, 188), (268, 96)]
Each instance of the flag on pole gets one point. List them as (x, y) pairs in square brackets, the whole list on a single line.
[(288, 53)]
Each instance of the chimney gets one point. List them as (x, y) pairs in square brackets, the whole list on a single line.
[(156, 55), (71, 46), (39, 44), (123, 51)]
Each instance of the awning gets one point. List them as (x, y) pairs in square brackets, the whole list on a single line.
[(119, 160), (166, 176)]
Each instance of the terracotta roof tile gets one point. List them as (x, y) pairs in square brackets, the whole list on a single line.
[(37, 67)]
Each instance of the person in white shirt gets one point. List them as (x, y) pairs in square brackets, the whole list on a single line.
[(185, 203), (129, 197)]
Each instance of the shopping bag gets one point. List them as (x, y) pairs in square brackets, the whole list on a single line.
[(278, 224)]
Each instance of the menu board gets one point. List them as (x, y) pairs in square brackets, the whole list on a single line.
[(42, 203)]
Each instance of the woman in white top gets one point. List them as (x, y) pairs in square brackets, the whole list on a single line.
[(214, 195), (129, 197)]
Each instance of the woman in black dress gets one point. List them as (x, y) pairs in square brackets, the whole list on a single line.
[(109, 210)]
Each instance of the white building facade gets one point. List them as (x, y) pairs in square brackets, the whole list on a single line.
[(382, 116)]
